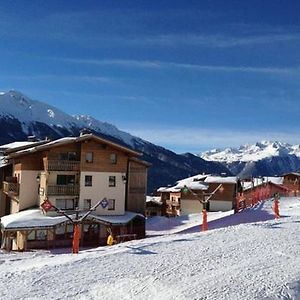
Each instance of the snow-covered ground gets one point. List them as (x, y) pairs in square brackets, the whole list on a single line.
[(259, 259), (163, 225)]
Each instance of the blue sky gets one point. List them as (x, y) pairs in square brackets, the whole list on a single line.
[(188, 75)]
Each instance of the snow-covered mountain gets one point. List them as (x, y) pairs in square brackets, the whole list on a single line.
[(263, 158), (21, 117)]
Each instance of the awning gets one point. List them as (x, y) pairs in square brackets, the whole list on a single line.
[(34, 218)]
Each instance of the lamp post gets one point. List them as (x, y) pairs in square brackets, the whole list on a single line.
[(47, 205)]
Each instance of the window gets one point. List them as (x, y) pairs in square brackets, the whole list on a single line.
[(41, 234), (111, 204), (64, 231), (112, 181), (37, 235), (89, 157), (72, 156), (113, 158), (88, 180), (65, 179), (87, 203), (66, 204), (31, 236)]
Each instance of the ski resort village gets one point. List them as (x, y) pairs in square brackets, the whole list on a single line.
[(76, 223), (149, 150)]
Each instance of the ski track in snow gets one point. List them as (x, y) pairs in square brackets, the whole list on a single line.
[(259, 260)]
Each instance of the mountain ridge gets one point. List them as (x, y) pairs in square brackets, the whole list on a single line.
[(21, 117), (265, 158)]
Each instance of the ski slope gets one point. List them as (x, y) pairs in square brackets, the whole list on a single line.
[(259, 259)]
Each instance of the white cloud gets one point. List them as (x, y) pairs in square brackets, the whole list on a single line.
[(215, 41), (172, 65), (84, 78)]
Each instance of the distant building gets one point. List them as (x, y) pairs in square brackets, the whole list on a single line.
[(153, 206), (192, 194), (292, 182)]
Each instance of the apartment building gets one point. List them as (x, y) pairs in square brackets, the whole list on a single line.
[(73, 173)]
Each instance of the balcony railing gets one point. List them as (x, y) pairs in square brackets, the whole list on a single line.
[(11, 188), (63, 190), (62, 165)]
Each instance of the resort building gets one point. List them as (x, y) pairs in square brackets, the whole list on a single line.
[(73, 174)]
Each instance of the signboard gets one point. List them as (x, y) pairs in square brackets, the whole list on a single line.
[(46, 205), (104, 203)]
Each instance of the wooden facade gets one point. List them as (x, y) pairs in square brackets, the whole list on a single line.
[(136, 186), (292, 182), (67, 160)]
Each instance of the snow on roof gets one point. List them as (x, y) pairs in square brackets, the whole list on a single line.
[(194, 185), (33, 149), (219, 179), (30, 218), (156, 200), (171, 189), (199, 177), (67, 140), (292, 173), (16, 145), (194, 182), (122, 219), (198, 182)]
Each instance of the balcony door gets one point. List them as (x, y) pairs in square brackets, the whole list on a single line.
[(65, 180)]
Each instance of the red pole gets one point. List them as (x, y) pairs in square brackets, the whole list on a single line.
[(276, 209), (204, 225), (76, 238)]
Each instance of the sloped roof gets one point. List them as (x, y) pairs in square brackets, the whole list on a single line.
[(34, 218), (220, 179), (70, 140)]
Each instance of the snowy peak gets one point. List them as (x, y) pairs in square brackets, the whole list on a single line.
[(255, 152), (14, 104)]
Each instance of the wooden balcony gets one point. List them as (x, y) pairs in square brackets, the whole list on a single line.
[(11, 188), (61, 165), (63, 190)]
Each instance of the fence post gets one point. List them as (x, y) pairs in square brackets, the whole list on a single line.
[(204, 225), (76, 238), (276, 208)]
